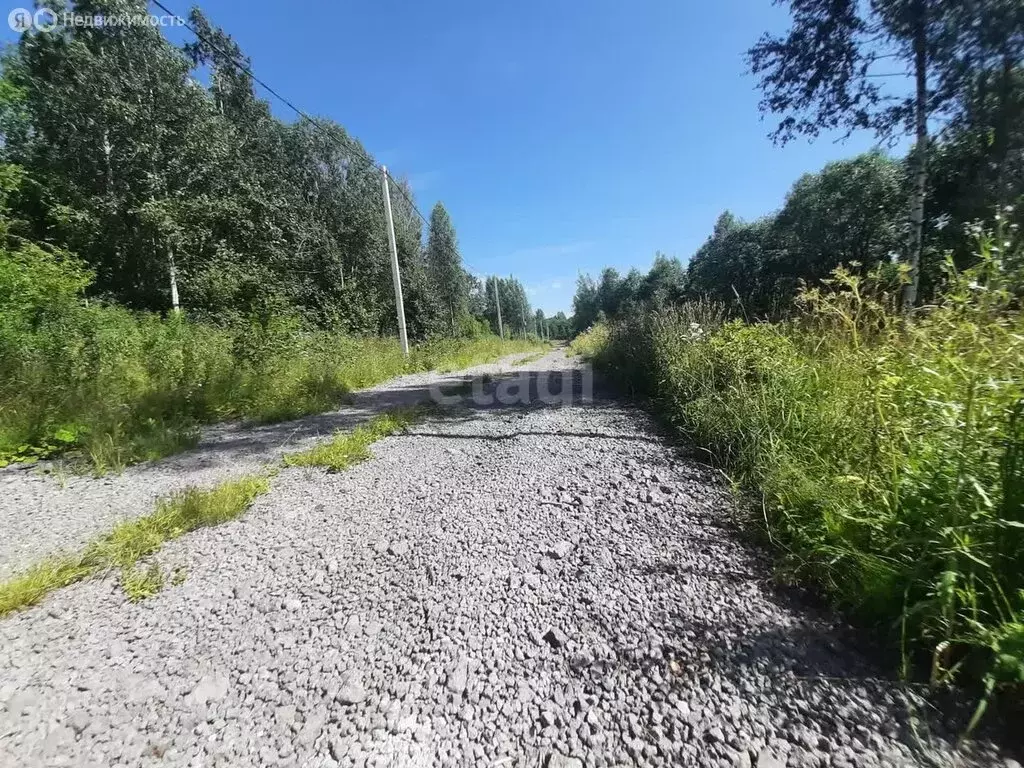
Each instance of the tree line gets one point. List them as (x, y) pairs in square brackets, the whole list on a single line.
[(964, 108), (143, 160)]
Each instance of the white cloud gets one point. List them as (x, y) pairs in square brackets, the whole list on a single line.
[(546, 287)]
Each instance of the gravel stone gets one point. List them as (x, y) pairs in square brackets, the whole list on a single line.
[(399, 548), (351, 692), (209, 688), (560, 550), (397, 613), (767, 760), (458, 677), (556, 760)]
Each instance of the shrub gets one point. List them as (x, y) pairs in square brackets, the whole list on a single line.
[(112, 386), (887, 453)]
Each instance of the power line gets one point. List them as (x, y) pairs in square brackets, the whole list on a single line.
[(246, 70), (354, 149)]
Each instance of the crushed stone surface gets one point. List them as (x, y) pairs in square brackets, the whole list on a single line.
[(497, 586)]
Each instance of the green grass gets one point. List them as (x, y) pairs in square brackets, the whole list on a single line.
[(128, 546), (140, 583), (885, 457), (531, 358), (348, 448), (33, 584), (105, 387), (593, 341), (448, 355)]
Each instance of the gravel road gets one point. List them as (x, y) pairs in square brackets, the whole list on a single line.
[(42, 514), (511, 586)]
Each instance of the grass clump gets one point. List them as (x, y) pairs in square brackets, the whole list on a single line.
[(531, 358), (140, 583), (447, 355), (129, 544), (348, 448), (888, 452), (32, 585), (109, 387), (591, 342)]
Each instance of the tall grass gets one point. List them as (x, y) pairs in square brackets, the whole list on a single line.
[(888, 453), (114, 387)]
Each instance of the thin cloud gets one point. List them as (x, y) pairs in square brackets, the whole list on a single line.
[(545, 287)]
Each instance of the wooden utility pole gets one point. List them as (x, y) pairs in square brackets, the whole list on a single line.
[(395, 275), (497, 303), (175, 308)]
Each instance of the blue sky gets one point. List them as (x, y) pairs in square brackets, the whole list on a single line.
[(561, 136)]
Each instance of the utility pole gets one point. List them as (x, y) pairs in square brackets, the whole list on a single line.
[(395, 276), (497, 303), (526, 330), (174, 281)]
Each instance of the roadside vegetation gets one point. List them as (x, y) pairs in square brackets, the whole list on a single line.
[(346, 449), (857, 365), (129, 548), (108, 386), (126, 183), (885, 454)]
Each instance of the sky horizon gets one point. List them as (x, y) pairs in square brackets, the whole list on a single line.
[(559, 141)]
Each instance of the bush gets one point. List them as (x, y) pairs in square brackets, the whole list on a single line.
[(112, 386), (888, 454)]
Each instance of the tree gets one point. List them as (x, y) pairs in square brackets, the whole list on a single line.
[(135, 165), (586, 306), (821, 76), (560, 326), (516, 313), (664, 283), (730, 266), (844, 214), (540, 324), (445, 266)]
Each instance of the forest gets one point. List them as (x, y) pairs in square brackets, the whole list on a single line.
[(855, 360), (128, 164)]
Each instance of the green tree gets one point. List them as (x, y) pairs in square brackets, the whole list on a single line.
[(824, 74), (586, 306), (445, 265), (730, 266), (846, 213)]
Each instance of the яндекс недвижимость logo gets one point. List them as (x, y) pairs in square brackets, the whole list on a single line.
[(47, 19)]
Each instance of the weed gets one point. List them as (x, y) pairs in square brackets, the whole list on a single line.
[(132, 541), (114, 387), (887, 452), (32, 585), (139, 583), (348, 448)]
